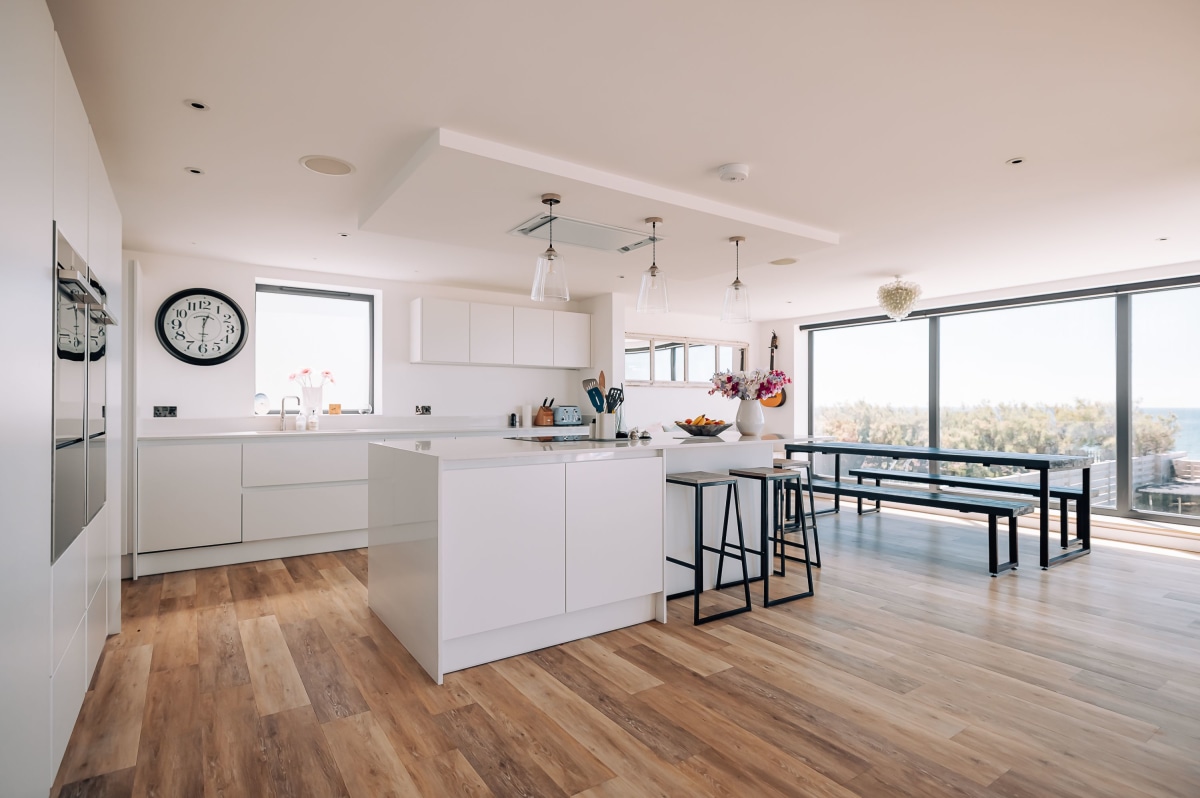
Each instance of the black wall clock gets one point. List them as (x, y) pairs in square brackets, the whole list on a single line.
[(201, 326)]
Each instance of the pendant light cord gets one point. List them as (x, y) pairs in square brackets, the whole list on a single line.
[(654, 243), (737, 261), (551, 225)]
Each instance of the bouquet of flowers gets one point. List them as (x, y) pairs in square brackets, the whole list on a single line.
[(307, 378), (757, 384)]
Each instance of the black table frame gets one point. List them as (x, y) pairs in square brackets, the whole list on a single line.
[(1042, 463)]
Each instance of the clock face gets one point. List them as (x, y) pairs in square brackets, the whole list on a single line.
[(201, 326)]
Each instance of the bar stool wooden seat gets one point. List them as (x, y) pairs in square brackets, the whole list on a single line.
[(698, 481), (798, 489), (774, 541)]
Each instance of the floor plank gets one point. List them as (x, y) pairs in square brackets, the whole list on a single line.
[(910, 672)]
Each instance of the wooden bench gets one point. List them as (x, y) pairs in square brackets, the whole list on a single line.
[(993, 508), (1062, 493)]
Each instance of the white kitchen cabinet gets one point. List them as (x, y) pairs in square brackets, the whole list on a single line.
[(97, 551), (189, 495), (68, 686), (96, 628), (614, 531), (572, 339), (533, 337), (68, 598), (492, 334), (307, 510), (298, 462), (71, 144), (441, 331), (503, 558)]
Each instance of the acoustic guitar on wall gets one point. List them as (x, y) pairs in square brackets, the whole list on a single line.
[(778, 399)]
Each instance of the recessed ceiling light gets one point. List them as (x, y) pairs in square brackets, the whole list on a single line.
[(783, 262), (196, 105), (344, 235), (192, 170), (1164, 239), (325, 165), (1015, 161), (620, 277)]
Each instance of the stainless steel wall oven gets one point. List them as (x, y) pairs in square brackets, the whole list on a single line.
[(81, 317)]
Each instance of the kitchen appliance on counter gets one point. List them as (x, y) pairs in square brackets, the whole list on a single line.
[(80, 441), (567, 416)]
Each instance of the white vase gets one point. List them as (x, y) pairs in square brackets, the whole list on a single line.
[(750, 419), (311, 398)]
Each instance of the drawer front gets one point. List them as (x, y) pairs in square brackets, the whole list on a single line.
[(290, 512), (300, 462)]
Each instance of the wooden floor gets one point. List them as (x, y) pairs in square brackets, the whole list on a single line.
[(910, 673)]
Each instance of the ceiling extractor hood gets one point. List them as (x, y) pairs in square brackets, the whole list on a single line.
[(592, 235)]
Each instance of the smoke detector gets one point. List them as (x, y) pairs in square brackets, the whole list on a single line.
[(733, 172)]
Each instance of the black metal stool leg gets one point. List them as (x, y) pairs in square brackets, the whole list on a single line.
[(698, 585)]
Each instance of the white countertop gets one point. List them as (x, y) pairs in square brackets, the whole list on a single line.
[(272, 434), (455, 449)]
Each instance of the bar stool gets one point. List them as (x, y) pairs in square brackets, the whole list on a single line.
[(774, 530), (805, 466), (698, 481)]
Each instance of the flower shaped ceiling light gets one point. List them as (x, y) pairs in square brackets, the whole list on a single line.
[(897, 297)]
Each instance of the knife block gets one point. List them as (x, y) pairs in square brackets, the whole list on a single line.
[(544, 417)]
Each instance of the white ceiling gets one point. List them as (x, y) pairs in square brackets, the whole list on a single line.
[(877, 134)]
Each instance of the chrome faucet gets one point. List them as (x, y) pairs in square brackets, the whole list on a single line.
[(283, 410)]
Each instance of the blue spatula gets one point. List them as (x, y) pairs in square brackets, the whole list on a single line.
[(596, 398)]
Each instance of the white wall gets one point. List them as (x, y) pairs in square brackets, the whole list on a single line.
[(26, 161), (645, 406), (226, 391)]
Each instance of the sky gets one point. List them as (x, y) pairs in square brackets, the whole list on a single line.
[(1048, 354)]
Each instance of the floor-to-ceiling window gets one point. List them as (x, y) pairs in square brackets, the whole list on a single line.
[(1107, 373), (871, 383), (1040, 378), (1165, 393)]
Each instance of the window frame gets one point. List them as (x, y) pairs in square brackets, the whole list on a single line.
[(1123, 329), (686, 343), (328, 293)]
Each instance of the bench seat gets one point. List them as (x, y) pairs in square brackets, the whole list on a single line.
[(1063, 493), (993, 508)]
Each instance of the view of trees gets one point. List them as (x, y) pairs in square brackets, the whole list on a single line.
[(1085, 427)]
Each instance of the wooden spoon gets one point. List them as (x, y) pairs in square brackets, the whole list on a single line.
[(600, 382)]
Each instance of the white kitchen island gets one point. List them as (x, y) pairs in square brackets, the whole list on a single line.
[(482, 549)]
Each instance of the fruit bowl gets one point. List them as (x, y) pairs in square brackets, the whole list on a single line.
[(703, 430)]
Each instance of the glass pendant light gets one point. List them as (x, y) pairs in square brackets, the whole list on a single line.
[(652, 298), (737, 297), (550, 279)]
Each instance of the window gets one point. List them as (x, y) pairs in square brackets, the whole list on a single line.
[(871, 383), (333, 331), (650, 360), (1005, 387), (1166, 402), (1100, 372)]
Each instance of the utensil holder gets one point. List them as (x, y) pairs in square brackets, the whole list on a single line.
[(544, 417), (606, 426)]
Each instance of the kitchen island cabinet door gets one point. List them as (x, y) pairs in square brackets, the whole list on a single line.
[(501, 547), (189, 495), (614, 531)]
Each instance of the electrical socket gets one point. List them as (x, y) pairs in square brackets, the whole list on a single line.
[(424, 410), (165, 411)]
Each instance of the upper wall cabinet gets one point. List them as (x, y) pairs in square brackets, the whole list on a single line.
[(572, 339), (533, 336), (492, 334), (71, 144), (441, 331), (104, 221), (450, 331)]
